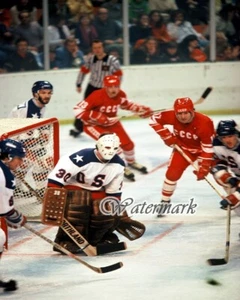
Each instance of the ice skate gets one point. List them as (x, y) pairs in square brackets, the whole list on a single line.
[(129, 174), (138, 167), (164, 208)]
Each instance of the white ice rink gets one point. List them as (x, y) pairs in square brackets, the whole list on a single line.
[(168, 262)]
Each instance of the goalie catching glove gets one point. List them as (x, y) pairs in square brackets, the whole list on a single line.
[(15, 219), (129, 228)]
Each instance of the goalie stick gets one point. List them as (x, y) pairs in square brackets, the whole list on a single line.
[(106, 269), (78, 239), (214, 261)]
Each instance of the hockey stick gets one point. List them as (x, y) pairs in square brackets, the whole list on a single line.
[(78, 239), (199, 101), (213, 261), (223, 261), (107, 269)]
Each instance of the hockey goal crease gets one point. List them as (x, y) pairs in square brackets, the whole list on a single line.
[(40, 137)]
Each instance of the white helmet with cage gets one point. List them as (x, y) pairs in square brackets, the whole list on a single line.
[(108, 145)]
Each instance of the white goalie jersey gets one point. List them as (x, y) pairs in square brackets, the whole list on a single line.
[(84, 170)]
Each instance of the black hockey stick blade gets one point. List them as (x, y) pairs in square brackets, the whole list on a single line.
[(206, 92), (111, 267), (108, 248), (217, 261)]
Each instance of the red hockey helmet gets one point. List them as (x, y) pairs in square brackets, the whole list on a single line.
[(111, 80), (183, 105)]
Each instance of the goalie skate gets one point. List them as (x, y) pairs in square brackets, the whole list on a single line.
[(129, 174), (138, 167)]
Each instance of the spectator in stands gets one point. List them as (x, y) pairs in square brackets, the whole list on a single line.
[(58, 31), (21, 60), (171, 54), (79, 8), (140, 31), (137, 7), (227, 52), (5, 17), (178, 28), (164, 6), (108, 31), (29, 30), (69, 55), (23, 5), (52, 59), (196, 11), (86, 33), (236, 19), (59, 8), (115, 10), (191, 50), (6, 43), (224, 25), (159, 29), (148, 53)]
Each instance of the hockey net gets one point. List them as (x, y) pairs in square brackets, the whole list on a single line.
[(40, 137)]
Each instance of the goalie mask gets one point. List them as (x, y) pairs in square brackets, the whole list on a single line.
[(10, 149), (108, 145)]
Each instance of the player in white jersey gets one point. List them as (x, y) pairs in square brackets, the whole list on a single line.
[(35, 108), (226, 170), (99, 171), (11, 157)]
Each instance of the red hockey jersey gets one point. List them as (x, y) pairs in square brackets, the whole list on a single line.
[(195, 137)]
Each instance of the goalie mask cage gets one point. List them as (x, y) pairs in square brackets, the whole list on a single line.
[(40, 137)]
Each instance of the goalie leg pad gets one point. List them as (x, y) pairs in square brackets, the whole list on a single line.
[(77, 212), (129, 228), (100, 226)]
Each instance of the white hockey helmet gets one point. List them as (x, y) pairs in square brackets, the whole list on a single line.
[(108, 145)]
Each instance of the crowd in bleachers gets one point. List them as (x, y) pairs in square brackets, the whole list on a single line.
[(160, 31)]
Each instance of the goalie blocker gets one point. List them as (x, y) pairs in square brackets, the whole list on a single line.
[(82, 227)]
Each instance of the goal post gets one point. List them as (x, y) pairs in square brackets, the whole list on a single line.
[(40, 137)]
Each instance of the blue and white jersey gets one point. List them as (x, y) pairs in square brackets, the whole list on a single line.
[(27, 109), (84, 170), (7, 186), (231, 157)]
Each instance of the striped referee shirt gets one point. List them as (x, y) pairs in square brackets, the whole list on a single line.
[(98, 68)]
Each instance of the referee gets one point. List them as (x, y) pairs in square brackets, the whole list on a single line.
[(99, 64)]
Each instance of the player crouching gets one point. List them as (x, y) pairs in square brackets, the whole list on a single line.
[(89, 176), (226, 170)]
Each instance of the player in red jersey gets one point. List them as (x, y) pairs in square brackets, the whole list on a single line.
[(193, 132), (99, 112)]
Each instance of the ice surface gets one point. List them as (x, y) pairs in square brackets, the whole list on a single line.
[(168, 262)]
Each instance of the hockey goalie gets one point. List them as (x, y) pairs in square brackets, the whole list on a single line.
[(87, 177)]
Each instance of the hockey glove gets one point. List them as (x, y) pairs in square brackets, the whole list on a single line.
[(145, 112), (204, 169), (168, 138), (232, 200), (15, 219)]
